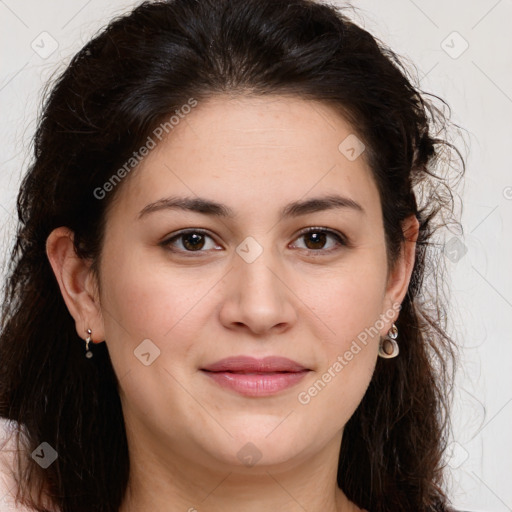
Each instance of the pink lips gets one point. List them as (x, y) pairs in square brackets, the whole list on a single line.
[(256, 377)]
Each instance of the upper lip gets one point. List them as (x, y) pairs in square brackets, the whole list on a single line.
[(252, 364)]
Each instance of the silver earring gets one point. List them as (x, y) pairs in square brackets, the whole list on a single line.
[(388, 347), (88, 353)]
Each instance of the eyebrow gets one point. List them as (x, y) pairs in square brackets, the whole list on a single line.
[(213, 208)]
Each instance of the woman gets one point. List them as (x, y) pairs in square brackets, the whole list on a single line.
[(218, 292)]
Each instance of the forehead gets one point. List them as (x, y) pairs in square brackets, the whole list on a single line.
[(254, 149)]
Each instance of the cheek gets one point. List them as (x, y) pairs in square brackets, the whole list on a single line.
[(351, 299), (348, 358), (143, 301), (147, 300), (350, 305)]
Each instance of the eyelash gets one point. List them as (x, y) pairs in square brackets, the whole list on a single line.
[(341, 240)]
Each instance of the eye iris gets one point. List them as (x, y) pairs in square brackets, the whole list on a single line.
[(197, 241), (318, 239)]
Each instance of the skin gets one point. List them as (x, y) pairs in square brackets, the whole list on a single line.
[(255, 155)]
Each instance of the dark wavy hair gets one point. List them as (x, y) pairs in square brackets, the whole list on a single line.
[(115, 91)]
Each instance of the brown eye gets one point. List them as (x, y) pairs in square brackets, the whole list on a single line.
[(190, 241), (315, 240), (193, 241), (320, 239)]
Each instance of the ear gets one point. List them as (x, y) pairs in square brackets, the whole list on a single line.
[(76, 282), (400, 275)]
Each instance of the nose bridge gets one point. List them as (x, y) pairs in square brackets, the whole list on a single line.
[(259, 298), (256, 265)]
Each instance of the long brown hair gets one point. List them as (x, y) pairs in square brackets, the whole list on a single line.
[(116, 90)]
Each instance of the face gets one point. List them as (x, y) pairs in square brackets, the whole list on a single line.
[(184, 287)]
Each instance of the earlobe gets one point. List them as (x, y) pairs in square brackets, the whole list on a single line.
[(76, 283)]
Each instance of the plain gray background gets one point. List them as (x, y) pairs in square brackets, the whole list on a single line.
[(463, 53)]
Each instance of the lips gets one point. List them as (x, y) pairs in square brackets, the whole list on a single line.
[(246, 364), (253, 377)]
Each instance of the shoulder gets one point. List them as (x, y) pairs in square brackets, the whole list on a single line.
[(8, 485), (7, 482)]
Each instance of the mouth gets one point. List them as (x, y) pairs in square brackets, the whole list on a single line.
[(256, 384), (248, 364), (253, 377), (247, 372)]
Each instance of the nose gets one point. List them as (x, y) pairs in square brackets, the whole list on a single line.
[(258, 297)]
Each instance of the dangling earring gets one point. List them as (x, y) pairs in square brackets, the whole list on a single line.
[(388, 347), (88, 353)]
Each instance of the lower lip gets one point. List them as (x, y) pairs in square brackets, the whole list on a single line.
[(256, 384)]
